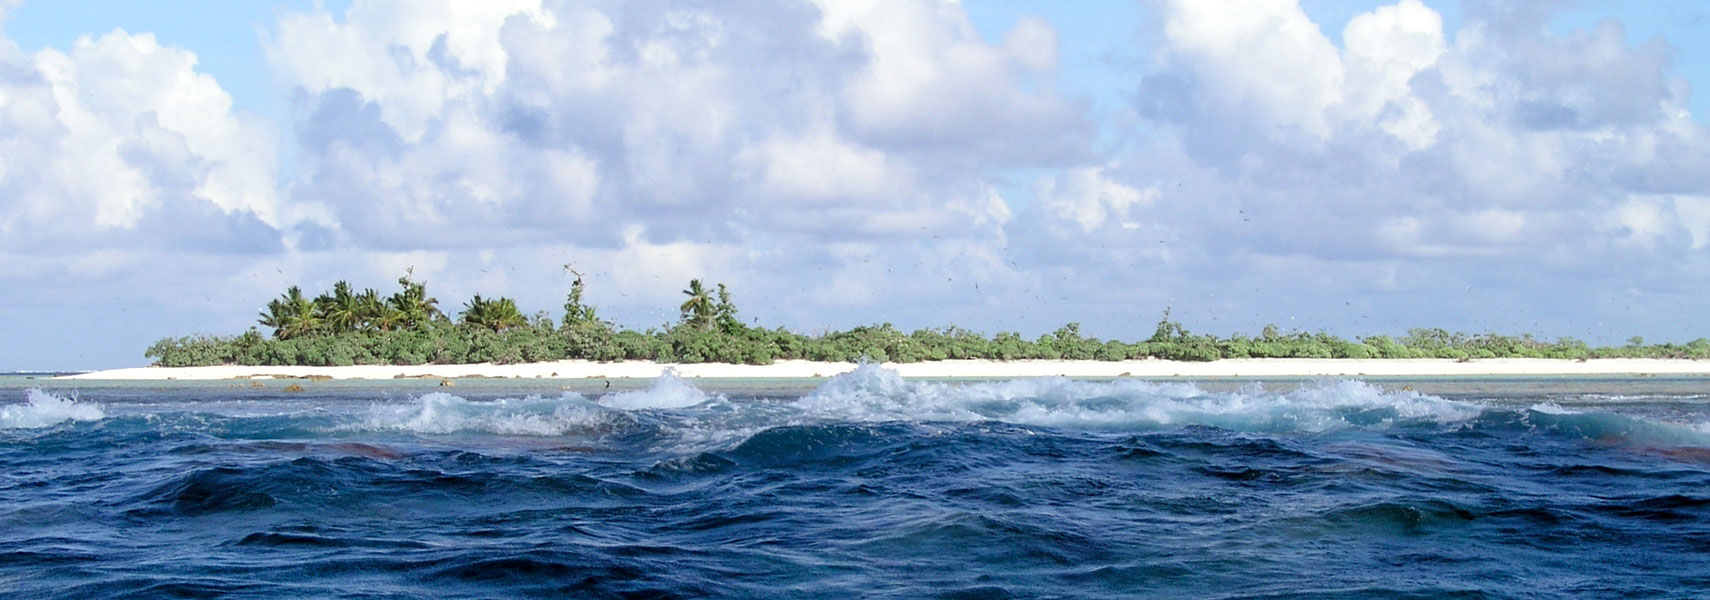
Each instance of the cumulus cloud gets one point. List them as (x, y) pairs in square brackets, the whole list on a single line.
[(120, 142), (1092, 201), (1397, 161), (130, 191), (929, 83), (786, 126)]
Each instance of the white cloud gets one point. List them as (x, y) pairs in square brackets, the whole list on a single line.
[(412, 59), (929, 83), (1509, 161), (1485, 144), (1385, 48), (706, 125), (1090, 200), (120, 141), (1272, 61)]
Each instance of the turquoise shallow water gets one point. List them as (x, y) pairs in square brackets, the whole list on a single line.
[(863, 485)]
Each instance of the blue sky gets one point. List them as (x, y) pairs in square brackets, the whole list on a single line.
[(1356, 167)]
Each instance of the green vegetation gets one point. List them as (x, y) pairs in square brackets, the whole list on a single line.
[(344, 327)]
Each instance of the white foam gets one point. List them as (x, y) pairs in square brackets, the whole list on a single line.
[(668, 391), (440, 413), (1551, 408), (46, 409), (874, 393)]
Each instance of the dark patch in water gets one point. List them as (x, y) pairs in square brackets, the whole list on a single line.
[(1410, 518), (220, 489), (291, 539)]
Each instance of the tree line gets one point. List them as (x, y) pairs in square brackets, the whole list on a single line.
[(345, 327)]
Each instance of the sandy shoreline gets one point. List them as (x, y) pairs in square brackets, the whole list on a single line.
[(981, 369)]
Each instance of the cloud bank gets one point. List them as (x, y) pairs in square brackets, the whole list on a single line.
[(1508, 177), (844, 163)]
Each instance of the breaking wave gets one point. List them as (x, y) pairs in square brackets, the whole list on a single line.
[(567, 414), (45, 409), (672, 412), (668, 391), (874, 393), (441, 413)]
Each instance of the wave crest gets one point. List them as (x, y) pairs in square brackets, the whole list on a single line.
[(45, 409), (875, 393), (668, 391), (441, 413)]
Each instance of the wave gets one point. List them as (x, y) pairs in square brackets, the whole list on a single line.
[(1603, 398), (1551, 408), (45, 409), (874, 393), (1607, 427), (442, 413), (673, 412), (568, 414), (668, 391)]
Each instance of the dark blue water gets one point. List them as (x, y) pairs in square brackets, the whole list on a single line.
[(864, 486)]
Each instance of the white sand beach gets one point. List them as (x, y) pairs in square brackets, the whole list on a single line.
[(973, 369)]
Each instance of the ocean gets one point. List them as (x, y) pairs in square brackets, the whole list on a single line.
[(864, 485)]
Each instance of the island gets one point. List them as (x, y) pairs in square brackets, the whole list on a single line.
[(343, 333)]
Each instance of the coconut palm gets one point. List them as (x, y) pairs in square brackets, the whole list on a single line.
[(698, 310), (291, 315), (498, 314), (374, 313), (415, 308), (340, 311)]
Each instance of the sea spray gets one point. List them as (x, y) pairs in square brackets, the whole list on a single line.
[(44, 409), (668, 391), (875, 393), (442, 413)]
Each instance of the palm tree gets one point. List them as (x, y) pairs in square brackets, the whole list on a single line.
[(498, 314), (374, 313), (698, 310), (291, 315), (341, 311), (278, 316), (414, 306)]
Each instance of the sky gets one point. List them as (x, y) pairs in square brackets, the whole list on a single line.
[(1359, 167)]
